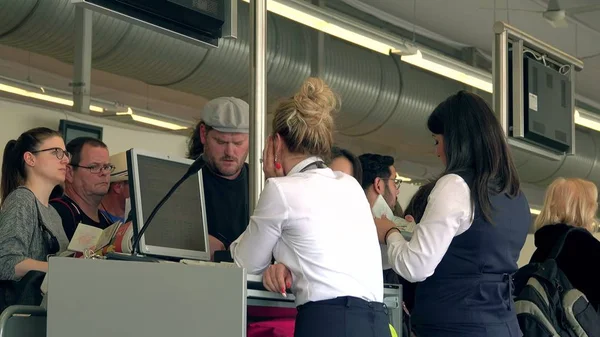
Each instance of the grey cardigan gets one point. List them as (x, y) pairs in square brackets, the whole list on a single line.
[(20, 233)]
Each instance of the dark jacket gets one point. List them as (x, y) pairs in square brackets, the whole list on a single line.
[(579, 256)]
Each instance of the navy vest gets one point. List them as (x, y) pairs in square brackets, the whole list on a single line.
[(472, 284)]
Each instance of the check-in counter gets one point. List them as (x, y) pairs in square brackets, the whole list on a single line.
[(99, 298)]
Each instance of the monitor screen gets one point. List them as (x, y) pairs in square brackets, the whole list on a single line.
[(179, 228), (71, 130)]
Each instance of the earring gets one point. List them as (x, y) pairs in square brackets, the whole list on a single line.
[(277, 164)]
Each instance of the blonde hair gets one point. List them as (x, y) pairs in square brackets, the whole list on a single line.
[(571, 201), (305, 121)]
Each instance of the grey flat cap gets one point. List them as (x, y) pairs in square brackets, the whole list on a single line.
[(227, 114)]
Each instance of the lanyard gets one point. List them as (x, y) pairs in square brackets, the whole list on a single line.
[(314, 165)]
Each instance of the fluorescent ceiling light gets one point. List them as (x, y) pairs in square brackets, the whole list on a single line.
[(587, 119), (535, 211), (42, 96), (404, 179), (344, 28), (151, 121), (455, 70), (369, 37), (67, 102)]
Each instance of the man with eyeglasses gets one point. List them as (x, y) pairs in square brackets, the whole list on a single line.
[(87, 182), (379, 178)]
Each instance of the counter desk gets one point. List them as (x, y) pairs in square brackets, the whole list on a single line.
[(99, 298)]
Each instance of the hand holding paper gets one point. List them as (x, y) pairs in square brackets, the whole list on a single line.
[(89, 237), (382, 209)]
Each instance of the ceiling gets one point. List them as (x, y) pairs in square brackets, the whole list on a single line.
[(48, 72), (469, 23), (390, 128)]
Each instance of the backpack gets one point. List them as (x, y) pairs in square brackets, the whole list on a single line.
[(548, 305)]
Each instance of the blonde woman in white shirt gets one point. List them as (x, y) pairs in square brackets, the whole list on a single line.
[(317, 224)]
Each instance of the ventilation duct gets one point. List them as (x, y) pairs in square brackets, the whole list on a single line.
[(383, 101)]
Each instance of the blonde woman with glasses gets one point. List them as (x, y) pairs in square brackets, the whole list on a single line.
[(571, 202)]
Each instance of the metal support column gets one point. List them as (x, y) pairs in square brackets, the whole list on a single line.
[(518, 116), (500, 76), (258, 96), (82, 72), (317, 63)]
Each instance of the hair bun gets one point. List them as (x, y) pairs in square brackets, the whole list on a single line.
[(305, 121), (315, 101)]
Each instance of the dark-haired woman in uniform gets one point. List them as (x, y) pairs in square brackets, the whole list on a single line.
[(467, 244)]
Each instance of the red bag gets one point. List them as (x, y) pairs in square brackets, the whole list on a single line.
[(275, 321), (281, 327)]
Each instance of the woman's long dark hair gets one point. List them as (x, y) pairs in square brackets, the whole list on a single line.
[(357, 171), (418, 203), (13, 164), (475, 145)]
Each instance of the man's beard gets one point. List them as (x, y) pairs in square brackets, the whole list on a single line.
[(212, 165), (387, 195)]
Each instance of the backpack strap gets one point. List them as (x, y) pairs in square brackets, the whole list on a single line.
[(558, 246), (60, 201)]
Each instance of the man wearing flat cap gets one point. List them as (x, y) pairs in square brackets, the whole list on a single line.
[(222, 136)]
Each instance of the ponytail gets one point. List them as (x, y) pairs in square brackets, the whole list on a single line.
[(11, 170), (13, 164)]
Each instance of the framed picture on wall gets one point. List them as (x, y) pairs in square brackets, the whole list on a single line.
[(71, 130)]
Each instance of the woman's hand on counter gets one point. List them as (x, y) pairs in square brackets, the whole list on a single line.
[(277, 278)]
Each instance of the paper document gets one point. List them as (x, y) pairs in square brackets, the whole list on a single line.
[(380, 209), (89, 237)]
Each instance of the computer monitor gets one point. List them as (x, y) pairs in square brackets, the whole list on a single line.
[(179, 228), (71, 130)]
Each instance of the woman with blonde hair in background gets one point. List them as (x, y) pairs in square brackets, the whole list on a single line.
[(317, 223), (571, 202)]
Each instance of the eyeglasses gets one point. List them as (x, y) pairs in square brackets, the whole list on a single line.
[(109, 168), (57, 151), (397, 181)]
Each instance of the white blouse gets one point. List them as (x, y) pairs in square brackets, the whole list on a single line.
[(319, 224), (448, 214)]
